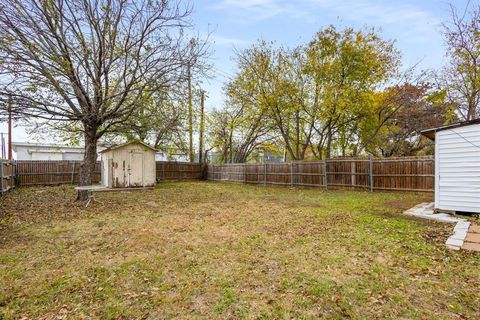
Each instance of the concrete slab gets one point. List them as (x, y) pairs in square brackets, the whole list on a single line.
[(462, 225), (459, 236), (453, 247), (454, 242)]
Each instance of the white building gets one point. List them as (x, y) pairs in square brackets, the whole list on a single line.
[(128, 165), (35, 151), (457, 166)]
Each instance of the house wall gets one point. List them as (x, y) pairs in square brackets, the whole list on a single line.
[(55, 156), (73, 156), (457, 169), (45, 152)]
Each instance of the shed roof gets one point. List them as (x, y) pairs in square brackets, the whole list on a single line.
[(430, 133), (126, 144)]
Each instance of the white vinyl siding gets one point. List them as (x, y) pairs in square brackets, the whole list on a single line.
[(457, 169)]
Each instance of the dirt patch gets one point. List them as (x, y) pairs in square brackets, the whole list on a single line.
[(438, 232)]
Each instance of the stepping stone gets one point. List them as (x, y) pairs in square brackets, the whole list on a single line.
[(472, 246), (474, 228), (465, 235), (462, 225), (459, 235), (473, 237), (453, 247), (454, 242)]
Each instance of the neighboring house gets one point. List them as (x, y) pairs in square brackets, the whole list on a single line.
[(35, 151), (457, 166), (160, 156), (128, 165), (57, 152)]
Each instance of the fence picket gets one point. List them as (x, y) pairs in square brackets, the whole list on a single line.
[(32, 173), (401, 174)]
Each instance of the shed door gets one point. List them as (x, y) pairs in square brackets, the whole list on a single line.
[(135, 169), (110, 173)]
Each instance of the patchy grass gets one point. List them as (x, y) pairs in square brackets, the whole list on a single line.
[(205, 250)]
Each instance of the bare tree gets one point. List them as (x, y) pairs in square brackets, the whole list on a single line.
[(92, 63), (461, 77)]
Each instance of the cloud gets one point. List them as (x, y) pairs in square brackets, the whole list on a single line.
[(258, 10), (228, 41), (412, 19)]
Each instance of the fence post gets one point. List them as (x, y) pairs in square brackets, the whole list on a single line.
[(353, 177), (73, 172), (13, 169), (325, 177), (1, 176), (244, 165), (291, 174), (265, 174), (370, 158)]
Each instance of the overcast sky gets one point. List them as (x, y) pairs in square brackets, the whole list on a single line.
[(414, 25)]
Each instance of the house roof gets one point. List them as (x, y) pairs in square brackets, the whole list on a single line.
[(430, 133), (45, 145), (126, 144)]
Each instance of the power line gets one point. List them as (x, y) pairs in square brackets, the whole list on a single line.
[(223, 73)]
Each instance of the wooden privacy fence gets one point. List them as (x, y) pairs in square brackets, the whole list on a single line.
[(395, 174), (37, 172), (7, 175), (172, 170), (31, 173), (401, 174)]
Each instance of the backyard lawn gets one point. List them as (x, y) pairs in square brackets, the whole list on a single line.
[(211, 250)]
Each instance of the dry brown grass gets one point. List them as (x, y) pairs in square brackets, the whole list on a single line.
[(204, 250)]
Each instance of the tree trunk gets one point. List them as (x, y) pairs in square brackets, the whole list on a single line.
[(297, 135), (329, 144), (87, 168)]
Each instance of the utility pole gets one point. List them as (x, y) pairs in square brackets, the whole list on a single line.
[(202, 127), (10, 157), (190, 117), (2, 143)]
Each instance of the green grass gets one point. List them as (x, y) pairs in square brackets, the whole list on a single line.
[(216, 251)]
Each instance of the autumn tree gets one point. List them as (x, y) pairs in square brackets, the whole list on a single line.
[(272, 81), (347, 66), (161, 122), (237, 131), (461, 76), (403, 111), (315, 95), (92, 64)]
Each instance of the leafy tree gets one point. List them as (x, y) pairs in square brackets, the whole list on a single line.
[(405, 110), (461, 77), (316, 96), (237, 131), (92, 64), (347, 66), (272, 81), (162, 122)]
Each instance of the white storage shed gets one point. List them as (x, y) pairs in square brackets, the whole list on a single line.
[(128, 165), (457, 166)]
